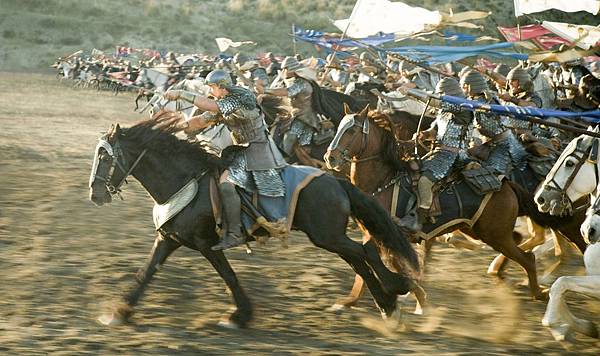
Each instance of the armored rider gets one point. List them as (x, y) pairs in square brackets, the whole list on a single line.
[(306, 123), (256, 168), (520, 92), (450, 130), (507, 152)]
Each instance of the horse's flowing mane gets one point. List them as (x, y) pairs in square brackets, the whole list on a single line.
[(393, 150), (146, 135)]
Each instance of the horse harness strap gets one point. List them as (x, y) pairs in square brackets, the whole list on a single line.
[(592, 156)]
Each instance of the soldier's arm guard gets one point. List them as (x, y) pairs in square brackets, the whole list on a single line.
[(187, 96)]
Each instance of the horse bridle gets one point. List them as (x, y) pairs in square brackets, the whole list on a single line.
[(118, 161), (590, 154), (364, 144)]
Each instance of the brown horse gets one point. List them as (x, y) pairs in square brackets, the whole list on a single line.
[(374, 157)]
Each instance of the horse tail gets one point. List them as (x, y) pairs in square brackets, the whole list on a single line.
[(379, 224)]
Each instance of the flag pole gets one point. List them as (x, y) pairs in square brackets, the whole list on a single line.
[(328, 65), (294, 39)]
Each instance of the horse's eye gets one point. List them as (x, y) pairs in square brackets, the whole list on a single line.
[(569, 164)]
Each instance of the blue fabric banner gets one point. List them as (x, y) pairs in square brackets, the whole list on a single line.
[(591, 117)]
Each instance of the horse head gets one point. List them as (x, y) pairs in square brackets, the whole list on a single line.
[(351, 141), (107, 168), (590, 229), (569, 179)]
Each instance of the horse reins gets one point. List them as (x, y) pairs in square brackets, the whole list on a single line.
[(118, 153), (591, 153)]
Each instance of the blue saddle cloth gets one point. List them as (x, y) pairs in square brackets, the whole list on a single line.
[(275, 209)]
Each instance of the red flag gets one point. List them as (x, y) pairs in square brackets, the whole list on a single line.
[(542, 37)]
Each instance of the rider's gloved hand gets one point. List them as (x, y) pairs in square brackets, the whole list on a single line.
[(172, 95)]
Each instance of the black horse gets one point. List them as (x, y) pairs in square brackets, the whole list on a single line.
[(163, 164)]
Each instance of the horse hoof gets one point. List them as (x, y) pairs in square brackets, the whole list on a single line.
[(560, 333), (543, 295), (111, 319), (337, 308), (229, 324)]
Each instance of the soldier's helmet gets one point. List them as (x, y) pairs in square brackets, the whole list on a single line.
[(449, 86), (220, 78), (522, 76), (476, 82), (291, 64)]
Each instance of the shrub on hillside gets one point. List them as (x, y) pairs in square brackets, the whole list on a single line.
[(9, 34), (70, 41)]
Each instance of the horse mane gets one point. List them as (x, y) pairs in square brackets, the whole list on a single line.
[(275, 106), (394, 151), (146, 134)]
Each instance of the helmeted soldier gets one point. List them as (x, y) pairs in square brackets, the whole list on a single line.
[(507, 152), (306, 123), (368, 71), (250, 70), (421, 78), (256, 168), (274, 67), (501, 69), (450, 130), (336, 74), (521, 93)]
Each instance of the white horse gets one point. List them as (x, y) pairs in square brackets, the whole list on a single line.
[(575, 175), (558, 317), (215, 137)]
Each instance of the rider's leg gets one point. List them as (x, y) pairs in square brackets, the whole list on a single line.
[(232, 212), (414, 220)]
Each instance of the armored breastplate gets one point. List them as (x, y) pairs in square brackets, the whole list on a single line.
[(246, 126), (242, 116), (450, 132), (301, 103)]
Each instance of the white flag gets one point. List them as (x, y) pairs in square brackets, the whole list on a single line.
[(583, 36), (372, 16), (531, 6), (224, 43)]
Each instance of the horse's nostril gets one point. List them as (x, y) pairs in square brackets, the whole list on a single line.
[(541, 200), (592, 232)]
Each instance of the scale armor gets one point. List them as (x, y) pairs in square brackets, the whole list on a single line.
[(254, 168), (300, 92)]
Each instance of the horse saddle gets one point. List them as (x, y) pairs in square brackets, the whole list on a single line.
[(482, 180)]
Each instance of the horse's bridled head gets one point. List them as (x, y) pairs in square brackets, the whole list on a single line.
[(103, 167)]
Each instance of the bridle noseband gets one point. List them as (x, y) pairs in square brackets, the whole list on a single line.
[(364, 144), (590, 154), (118, 161)]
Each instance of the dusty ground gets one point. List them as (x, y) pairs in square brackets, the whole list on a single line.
[(65, 260)]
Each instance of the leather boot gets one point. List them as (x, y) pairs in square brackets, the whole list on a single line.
[(418, 215), (232, 212)]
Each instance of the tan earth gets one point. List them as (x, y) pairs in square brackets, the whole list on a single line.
[(64, 261)]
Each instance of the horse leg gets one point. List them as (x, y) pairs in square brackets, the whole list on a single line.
[(163, 247), (495, 227), (357, 291), (353, 253), (558, 317), (537, 236), (243, 312)]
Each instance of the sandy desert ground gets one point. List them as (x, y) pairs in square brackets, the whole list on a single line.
[(64, 261)]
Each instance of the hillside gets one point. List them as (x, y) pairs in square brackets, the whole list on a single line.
[(34, 32)]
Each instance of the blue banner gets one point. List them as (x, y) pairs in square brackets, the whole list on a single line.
[(446, 54), (519, 112)]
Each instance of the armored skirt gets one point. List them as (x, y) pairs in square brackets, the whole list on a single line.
[(258, 177)]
